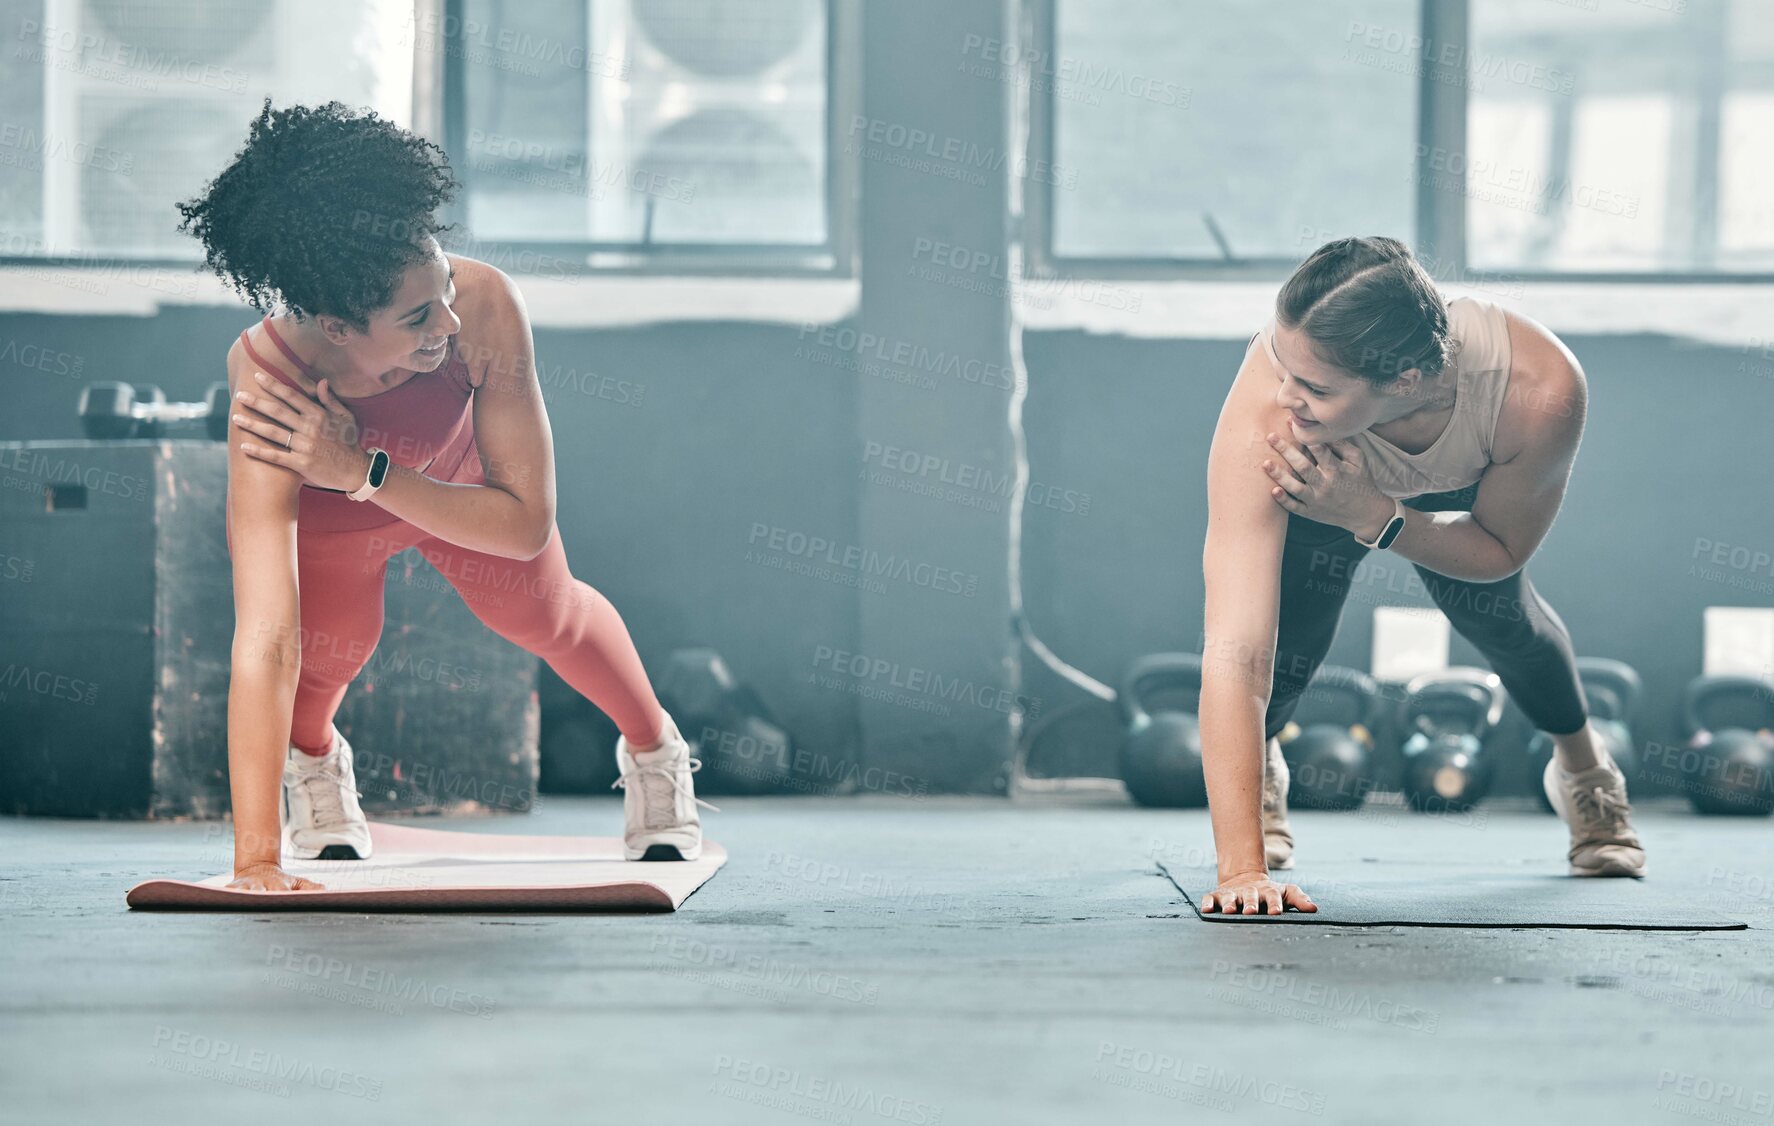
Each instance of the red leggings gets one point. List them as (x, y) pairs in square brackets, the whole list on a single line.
[(535, 604)]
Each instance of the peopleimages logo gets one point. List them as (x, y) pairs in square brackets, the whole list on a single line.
[(1169, 1075), (1459, 56), (379, 982), (1278, 986), (43, 682), (907, 354), (861, 561), (958, 157), (835, 1095), (717, 959), (260, 1062), (931, 682)]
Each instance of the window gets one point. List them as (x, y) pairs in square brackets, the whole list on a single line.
[(1221, 132), (1621, 136), (111, 111), (615, 131), (1611, 138), (586, 133)]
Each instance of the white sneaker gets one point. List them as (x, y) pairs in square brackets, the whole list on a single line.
[(658, 799), (322, 820), (1593, 803), (1278, 835)]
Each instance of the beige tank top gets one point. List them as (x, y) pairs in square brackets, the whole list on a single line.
[(1463, 452)]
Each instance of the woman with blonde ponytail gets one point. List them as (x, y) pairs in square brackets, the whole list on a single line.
[(1371, 413)]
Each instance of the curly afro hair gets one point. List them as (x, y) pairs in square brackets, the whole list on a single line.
[(323, 211)]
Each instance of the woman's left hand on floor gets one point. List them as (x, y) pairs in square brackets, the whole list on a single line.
[(315, 436), (1328, 483)]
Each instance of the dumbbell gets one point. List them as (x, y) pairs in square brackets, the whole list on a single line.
[(1730, 770), (110, 411), (153, 399), (1329, 762), (1161, 749), (1452, 715), (1613, 688), (742, 747)]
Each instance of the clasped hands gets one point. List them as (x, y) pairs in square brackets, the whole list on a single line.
[(314, 435), (1329, 483)]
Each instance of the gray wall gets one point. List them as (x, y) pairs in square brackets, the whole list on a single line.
[(658, 494), (741, 425), (1671, 458), (950, 626), (743, 498)]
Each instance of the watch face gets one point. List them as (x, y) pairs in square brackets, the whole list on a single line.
[(378, 468)]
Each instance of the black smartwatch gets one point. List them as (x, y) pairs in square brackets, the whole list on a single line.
[(1390, 531), (378, 474)]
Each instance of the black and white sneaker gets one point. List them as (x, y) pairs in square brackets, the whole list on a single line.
[(659, 800), (322, 820), (1278, 834)]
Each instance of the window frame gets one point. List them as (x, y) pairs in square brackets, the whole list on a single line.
[(439, 113), (835, 258), (1439, 222)]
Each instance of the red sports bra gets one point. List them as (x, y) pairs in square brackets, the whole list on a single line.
[(425, 423)]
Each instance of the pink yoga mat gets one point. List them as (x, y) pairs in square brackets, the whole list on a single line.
[(436, 870)]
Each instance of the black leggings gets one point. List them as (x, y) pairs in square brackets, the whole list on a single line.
[(1518, 633)]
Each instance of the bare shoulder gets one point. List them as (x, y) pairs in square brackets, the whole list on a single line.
[(1548, 394), (483, 287), (493, 316), (1236, 480), (242, 363), (240, 360), (1250, 411)]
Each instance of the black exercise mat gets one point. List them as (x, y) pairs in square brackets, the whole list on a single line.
[(1354, 894)]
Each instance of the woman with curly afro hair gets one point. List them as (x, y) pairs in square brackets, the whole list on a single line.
[(387, 399)]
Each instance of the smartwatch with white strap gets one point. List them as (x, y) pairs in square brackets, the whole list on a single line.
[(1390, 531), (378, 474)]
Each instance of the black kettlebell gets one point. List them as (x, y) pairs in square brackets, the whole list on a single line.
[(1613, 689), (1451, 715), (1730, 771), (742, 747), (1328, 763), (1161, 752)]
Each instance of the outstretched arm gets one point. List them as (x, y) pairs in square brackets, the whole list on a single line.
[(266, 656), (1241, 563)]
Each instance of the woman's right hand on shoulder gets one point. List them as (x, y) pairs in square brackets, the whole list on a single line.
[(271, 877), (1254, 893)]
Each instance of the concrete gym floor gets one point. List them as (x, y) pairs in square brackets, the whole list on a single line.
[(867, 960)]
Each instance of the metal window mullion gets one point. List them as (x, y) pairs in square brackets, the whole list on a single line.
[(1036, 39), (1441, 124), (834, 256), (843, 100), (429, 18), (453, 103), (1709, 93), (63, 110)]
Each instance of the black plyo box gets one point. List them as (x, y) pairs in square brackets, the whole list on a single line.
[(116, 629)]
